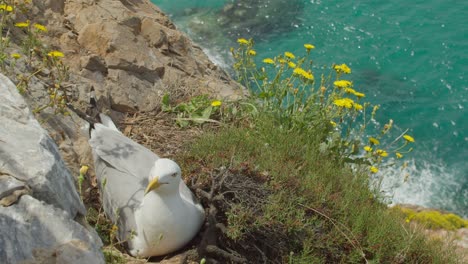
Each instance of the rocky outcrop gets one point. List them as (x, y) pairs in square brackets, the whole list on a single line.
[(130, 53), (38, 198)]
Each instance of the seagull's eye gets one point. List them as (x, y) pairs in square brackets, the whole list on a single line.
[(174, 175)]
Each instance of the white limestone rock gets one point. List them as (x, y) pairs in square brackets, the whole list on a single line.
[(38, 198)]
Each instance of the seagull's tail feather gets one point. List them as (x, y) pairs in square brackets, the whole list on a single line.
[(93, 115), (107, 121)]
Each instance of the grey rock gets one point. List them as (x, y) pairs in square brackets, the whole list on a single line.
[(38, 198), (8, 185), (28, 153), (35, 232)]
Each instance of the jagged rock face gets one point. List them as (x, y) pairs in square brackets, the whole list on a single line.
[(130, 53), (38, 198)]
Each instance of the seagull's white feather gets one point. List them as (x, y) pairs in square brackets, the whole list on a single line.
[(162, 220)]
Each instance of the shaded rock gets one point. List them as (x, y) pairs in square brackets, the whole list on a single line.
[(35, 232)]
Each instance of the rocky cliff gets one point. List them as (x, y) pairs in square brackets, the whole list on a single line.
[(130, 54)]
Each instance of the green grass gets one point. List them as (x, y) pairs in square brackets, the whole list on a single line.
[(317, 209)]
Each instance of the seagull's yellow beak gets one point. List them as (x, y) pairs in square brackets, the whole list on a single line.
[(152, 185)]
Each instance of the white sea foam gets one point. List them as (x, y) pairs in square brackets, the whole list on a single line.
[(427, 184), (219, 58)]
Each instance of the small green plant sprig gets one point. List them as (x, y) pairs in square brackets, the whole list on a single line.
[(200, 109), (286, 88)]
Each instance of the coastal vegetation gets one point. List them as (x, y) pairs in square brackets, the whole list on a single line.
[(294, 173), (288, 175)]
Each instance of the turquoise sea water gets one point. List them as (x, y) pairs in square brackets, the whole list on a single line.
[(409, 56)]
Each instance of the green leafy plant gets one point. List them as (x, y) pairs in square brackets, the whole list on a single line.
[(200, 109)]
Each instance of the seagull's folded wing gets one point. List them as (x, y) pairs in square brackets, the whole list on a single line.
[(121, 152), (124, 166)]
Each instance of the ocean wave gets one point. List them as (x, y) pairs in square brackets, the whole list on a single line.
[(424, 183)]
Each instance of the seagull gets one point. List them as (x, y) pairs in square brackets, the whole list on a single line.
[(143, 195)]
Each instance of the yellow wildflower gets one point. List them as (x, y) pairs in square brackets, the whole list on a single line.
[(15, 55), (342, 84), (344, 102), (359, 95), (252, 52), (22, 24), (7, 8), (282, 61), (84, 170), (408, 138), (308, 75), (309, 47), (367, 149), (399, 155), (358, 106), (333, 123), (40, 27), (381, 153), (292, 64), (299, 71), (268, 61), (349, 90), (374, 141), (343, 68), (374, 169), (55, 53), (243, 41), (289, 55), (216, 103)]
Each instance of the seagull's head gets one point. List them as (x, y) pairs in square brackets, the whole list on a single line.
[(165, 176)]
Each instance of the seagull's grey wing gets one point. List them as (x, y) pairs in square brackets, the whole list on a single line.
[(122, 168), (121, 195), (121, 152)]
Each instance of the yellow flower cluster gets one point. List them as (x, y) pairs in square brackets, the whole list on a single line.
[(358, 94), (408, 138), (243, 41), (216, 103), (374, 169), (7, 8), (346, 85), (301, 72), (289, 55), (343, 68), (381, 153), (344, 102), (342, 84), (358, 106), (374, 141), (55, 54), (40, 27), (15, 56), (309, 47), (349, 90), (22, 24), (268, 61)]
